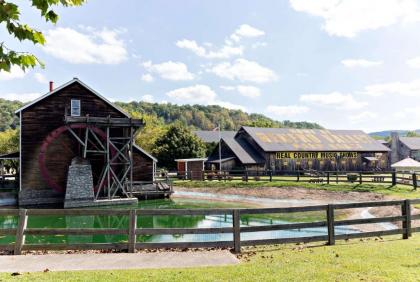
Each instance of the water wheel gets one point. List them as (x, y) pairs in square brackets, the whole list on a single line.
[(65, 143)]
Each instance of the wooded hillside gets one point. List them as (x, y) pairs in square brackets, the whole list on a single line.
[(208, 117), (197, 116), (8, 118)]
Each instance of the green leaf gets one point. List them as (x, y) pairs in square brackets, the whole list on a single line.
[(39, 37), (10, 16)]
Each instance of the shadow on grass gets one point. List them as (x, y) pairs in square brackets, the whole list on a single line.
[(279, 247)]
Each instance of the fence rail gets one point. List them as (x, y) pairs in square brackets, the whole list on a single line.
[(236, 229), (327, 177)]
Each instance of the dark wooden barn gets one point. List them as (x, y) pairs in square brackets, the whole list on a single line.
[(57, 127), (283, 149)]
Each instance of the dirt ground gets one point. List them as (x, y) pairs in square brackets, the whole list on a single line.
[(293, 193), (314, 196)]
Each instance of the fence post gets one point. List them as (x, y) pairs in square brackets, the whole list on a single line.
[(394, 178), (406, 224), (236, 231), (271, 175), (330, 224), (328, 177), (20, 231), (132, 226), (360, 178), (298, 176), (246, 175), (414, 181)]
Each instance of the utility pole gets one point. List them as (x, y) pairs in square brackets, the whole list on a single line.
[(220, 148)]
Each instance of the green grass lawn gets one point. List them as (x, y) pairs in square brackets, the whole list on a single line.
[(397, 191), (391, 259)]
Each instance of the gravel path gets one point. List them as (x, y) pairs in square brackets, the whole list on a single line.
[(70, 262)]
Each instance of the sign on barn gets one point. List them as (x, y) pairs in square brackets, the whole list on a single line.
[(316, 155)]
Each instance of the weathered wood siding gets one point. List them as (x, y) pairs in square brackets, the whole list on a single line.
[(195, 166), (142, 167), (41, 119)]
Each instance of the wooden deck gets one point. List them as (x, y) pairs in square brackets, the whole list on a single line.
[(155, 189), (106, 121)]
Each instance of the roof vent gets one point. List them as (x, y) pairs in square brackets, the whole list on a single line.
[(51, 86)]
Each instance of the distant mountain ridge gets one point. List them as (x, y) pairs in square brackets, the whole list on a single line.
[(387, 133)]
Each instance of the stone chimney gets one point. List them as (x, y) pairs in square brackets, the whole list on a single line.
[(395, 140)]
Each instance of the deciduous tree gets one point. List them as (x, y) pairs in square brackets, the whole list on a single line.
[(10, 17), (178, 142)]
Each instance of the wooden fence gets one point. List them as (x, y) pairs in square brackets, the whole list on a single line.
[(236, 229), (327, 177)]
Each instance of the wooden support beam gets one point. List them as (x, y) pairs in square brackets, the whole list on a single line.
[(20, 231), (132, 236), (330, 224), (236, 231), (406, 224)]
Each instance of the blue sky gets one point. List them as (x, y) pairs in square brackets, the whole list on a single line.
[(346, 64)]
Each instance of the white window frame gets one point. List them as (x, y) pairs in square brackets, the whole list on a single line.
[(73, 113)]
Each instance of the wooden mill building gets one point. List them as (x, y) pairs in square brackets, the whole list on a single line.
[(283, 149), (74, 121)]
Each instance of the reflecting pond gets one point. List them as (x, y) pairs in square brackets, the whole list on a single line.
[(195, 221)]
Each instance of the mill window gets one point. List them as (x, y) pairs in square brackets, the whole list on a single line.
[(75, 108)]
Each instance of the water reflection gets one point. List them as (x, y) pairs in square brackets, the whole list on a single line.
[(195, 221)]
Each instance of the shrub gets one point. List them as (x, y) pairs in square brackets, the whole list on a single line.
[(352, 177), (210, 176)]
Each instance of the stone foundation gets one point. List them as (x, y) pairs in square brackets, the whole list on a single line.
[(36, 197), (79, 189)]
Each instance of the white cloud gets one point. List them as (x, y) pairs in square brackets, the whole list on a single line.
[(363, 117), (40, 78), (360, 63), (228, 88), (89, 47), (15, 72), (229, 49), (246, 31), (147, 77), (335, 100), (224, 52), (411, 88), (287, 111), (408, 114), (244, 70), (228, 105), (23, 97), (200, 94), (414, 63), (347, 18), (244, 90), (258, 44), (147, 98), (197, 94), (176, 71)]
